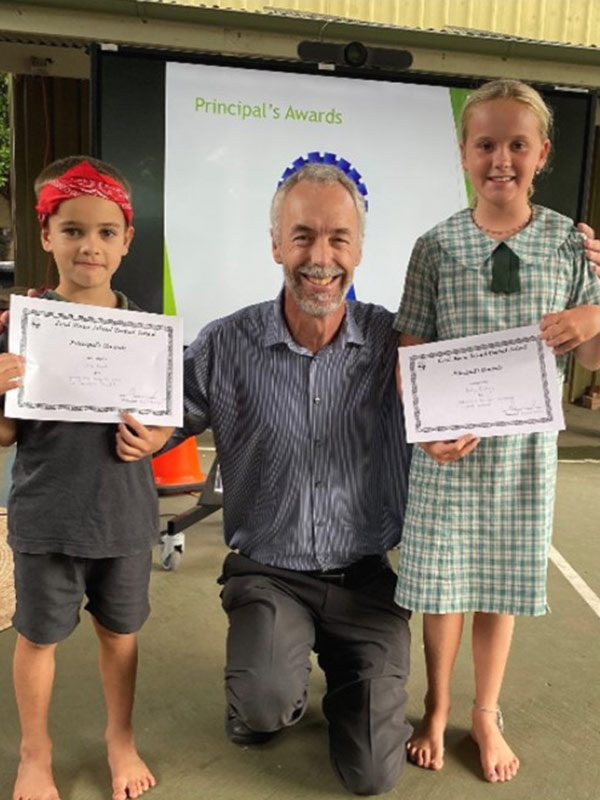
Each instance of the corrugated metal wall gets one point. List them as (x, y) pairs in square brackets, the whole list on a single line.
[(573, 21)]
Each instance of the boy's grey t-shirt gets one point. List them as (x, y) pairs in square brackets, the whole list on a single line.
[(72, 494)]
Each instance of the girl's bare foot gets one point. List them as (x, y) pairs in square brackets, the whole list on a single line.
[(130, 775), (34, 778), (426, 745), (497, 759)]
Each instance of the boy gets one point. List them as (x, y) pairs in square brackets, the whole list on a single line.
[(81, 520)]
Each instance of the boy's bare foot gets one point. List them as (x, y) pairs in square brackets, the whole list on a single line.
[(35, 780), (426, 745), (497, 759), (130, 775)]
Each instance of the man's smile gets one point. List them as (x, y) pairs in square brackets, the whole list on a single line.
[(321, 281), (319, 277)]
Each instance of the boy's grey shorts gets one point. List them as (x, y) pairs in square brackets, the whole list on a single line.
[(50, 588)]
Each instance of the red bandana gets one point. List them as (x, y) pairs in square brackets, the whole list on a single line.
[(82, 179)]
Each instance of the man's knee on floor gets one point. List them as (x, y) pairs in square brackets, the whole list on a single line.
[(366, 781), (268, 705)]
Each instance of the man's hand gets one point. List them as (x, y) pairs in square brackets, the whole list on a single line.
[(136, 441), (447, 452), (592, 246), (566, 330), (12, 368)]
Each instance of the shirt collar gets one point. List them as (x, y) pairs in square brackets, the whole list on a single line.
[(277, 331), (540, 240), (122, 301)]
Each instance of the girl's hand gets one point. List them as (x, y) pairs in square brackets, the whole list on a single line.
[(566, 330), (447, 452), (12, 368), (136, 441)]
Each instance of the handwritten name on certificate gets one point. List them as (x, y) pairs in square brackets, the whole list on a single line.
[(495, 384), (88, 363)]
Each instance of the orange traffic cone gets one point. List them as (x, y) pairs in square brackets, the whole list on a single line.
[(178, 470)]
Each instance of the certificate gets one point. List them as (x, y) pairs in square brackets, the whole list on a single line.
[(495, 384), (88, 363)]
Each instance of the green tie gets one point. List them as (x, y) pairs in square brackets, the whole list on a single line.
[(505, 271)]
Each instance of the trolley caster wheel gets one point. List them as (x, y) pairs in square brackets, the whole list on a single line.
[(171, 552), (172, 561)]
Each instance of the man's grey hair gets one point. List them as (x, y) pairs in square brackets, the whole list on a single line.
[(325, 174)]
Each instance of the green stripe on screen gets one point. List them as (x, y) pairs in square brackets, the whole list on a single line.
[(457, 101), (169, 305)]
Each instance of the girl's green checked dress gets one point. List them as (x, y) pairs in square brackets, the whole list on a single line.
[(477, 531)]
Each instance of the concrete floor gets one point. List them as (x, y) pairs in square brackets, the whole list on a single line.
[(551, 699)]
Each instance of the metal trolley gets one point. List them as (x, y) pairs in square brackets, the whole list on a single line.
[(172, 539)]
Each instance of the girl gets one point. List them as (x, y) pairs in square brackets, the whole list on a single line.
[(479, 514)]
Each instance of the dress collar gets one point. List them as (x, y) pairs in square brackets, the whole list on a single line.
[(464, 241)]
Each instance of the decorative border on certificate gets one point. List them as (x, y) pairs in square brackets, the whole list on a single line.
[(28, 316), (489, 348)]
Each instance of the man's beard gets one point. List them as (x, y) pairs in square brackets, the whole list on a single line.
[(309, 301)]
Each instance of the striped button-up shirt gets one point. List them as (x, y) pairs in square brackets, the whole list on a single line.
[(311, 446)]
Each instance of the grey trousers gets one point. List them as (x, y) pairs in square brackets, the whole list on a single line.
[(362, 639)]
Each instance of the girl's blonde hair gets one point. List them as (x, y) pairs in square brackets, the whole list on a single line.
[(507, 89)]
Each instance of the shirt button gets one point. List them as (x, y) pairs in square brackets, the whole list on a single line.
[(317, 484), (317, 443), (317, 401)]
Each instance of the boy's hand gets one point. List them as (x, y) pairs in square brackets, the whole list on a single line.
[(566, 330), (592, 246), (447, 452), (136, 441), (4, 316), (12, 368)]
